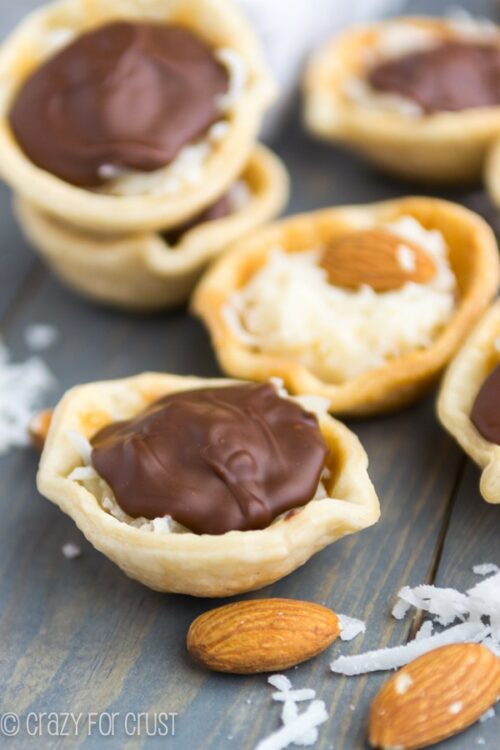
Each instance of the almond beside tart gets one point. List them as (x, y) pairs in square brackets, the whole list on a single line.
[(435, 697), (263, 635)]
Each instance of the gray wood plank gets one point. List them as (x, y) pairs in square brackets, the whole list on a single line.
[(79, 636)]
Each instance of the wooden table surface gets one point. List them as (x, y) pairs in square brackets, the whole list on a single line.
[(78, 636)]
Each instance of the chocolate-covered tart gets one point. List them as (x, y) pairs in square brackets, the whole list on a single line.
[(120, 115), (420, 97), (363, 305), (153, 270), (204, 487), (469, 401)]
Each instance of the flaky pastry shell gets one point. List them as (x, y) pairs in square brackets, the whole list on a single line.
[(201, 565), (474, 260), (442, 147), (142, 271), (493, 173), (461, 384), (218, 22)]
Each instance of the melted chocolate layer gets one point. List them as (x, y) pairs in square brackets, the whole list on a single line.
[(125, 95), (451, 77), (215, 459), (485, 414), (223, 207)]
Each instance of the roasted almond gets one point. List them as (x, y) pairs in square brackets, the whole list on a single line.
[(38, 428), (263, 635), (434, 697), (377, 258)]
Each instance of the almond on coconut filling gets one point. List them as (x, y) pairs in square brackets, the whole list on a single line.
[(205, 487), (347, 307)]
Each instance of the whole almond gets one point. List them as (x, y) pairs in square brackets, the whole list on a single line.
[(434, 697), (38, 428), (262, 635), (377, 258)]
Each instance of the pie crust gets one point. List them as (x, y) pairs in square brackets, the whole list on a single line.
[(493, 173), (218, 22), (201, 565), (443, 147), (460, 387), (473, 256), (142, 271)]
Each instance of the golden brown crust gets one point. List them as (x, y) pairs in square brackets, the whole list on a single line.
[(201, 565), (473, 257), (493, 173), (141, 271), (443, 147), (220, 24), (460, 387)]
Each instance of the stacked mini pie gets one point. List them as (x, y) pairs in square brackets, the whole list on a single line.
[(128, 131)]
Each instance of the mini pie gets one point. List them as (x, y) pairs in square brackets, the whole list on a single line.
[(215, 563), (252, 303), (493, 173), (464, 380), (446, 143), (149, 270), (148, 197)]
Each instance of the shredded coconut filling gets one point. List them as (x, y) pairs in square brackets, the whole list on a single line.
[(188, 166), (91, 480), (338, 333)]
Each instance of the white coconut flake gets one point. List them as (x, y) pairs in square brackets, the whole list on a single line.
[(71, 551), (305, 694), (298, 728), (350, 627), (40, 336), (23, 386), (238, 76), (425, 630), (81, 445), (398, 656), (489, 714), (83, 473), (314, 715), (280, 682), (486, 569), (456, 707), (470, 616)]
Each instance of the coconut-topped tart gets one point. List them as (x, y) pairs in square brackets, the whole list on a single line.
[(469, 401), (204, 487), (119, 114), (154, 270), (419, 96), (360, 305)]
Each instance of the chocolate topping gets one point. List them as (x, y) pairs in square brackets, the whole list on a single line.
[(223, 207), (455, 75), (214, 459), (485, 414), (125, 95)]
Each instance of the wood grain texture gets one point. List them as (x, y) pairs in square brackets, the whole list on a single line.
[(77, 635)]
